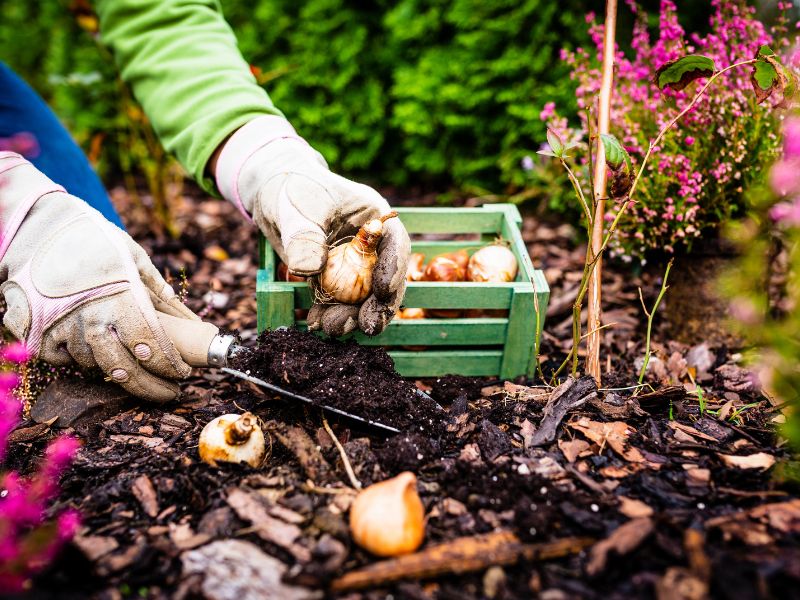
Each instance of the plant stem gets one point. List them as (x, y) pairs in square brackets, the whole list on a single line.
[(595, 288), (593, 258), (650, 315)]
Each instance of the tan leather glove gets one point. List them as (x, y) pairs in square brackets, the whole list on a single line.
[(285, 187), (80, 290)]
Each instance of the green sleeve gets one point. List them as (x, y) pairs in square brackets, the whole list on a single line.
[(181, 59)]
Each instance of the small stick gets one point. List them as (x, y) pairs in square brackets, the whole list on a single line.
[(461, 555), (347, 466)]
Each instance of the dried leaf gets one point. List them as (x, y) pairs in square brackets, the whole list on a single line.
[(614, 434), (573, 448), (759, 460), (623, 539)]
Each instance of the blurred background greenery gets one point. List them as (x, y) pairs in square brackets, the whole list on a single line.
[(424, 95)]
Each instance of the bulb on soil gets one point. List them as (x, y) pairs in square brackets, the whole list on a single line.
[(233, 438), (495, 263), (347, 277), (388, 518)]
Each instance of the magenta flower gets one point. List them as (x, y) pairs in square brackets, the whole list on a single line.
[(27, 541), (16, 352), (688, 140)]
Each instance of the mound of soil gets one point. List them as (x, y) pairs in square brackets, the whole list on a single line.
[(358, 379)]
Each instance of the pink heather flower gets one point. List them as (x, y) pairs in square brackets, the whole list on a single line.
[(16, 352), (786, 213), (784, 177), (548, 111), (791, 137), (688, 140)]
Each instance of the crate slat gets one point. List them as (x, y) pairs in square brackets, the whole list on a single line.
[(448, 220), (434, 363), (436, 332)]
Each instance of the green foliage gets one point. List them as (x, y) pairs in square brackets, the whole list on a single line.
[(679, 73), (439, 92)]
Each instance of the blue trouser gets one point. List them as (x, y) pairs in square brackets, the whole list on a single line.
[(28, 126)]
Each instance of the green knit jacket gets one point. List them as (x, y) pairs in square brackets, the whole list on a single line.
[(181, 60)]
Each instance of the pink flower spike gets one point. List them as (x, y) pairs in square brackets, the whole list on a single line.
[(68, 524), (548, 111), (16, 352), (791, 138)]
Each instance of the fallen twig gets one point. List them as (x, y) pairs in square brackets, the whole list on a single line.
[(347, 466), (460, 555)]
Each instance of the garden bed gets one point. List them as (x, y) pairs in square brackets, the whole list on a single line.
[(620, 497)]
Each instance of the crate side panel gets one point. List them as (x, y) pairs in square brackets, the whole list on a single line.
[(449, 220), (520, 343), (436, 332), (434, 363)]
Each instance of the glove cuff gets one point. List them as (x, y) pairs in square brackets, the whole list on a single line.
[(17, 197), (242, 145)]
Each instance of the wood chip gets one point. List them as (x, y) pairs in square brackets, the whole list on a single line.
[(250, 508), (634, 509), (239, 570), (675, 426), (95, 546), (145, 493)]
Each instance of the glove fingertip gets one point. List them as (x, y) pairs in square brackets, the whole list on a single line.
[(306, 256), (374, 316)]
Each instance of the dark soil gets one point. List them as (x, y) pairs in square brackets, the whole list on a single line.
[(357, 379), (649, 478)]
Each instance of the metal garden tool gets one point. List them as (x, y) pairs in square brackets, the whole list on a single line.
[(210, 348)]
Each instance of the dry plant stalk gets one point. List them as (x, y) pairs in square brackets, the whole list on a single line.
[(599, 196)]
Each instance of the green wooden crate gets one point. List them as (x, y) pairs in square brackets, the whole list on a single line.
[(504, 347)]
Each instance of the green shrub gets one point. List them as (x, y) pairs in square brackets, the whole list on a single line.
[(441, 92)]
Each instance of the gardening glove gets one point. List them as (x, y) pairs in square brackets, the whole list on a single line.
[(284, 186), (79, 290)]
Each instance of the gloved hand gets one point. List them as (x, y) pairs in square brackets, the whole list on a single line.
[(79, 290), (285, 187)]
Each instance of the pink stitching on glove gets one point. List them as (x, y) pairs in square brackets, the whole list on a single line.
[(45, 311), (243, 144)]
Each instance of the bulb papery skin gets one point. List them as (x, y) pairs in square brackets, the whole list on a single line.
[(494, 263), (411, 313), (442, 268), (347, 276), (233, 438), (388, 518)]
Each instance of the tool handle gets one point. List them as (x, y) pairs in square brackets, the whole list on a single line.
[(192, 338)]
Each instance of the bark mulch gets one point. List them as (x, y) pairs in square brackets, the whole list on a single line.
[(679, 490)]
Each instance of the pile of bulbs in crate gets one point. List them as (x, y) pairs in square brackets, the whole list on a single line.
[(491, 264)]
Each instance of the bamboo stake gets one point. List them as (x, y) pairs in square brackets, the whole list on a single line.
[(600, 176)]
